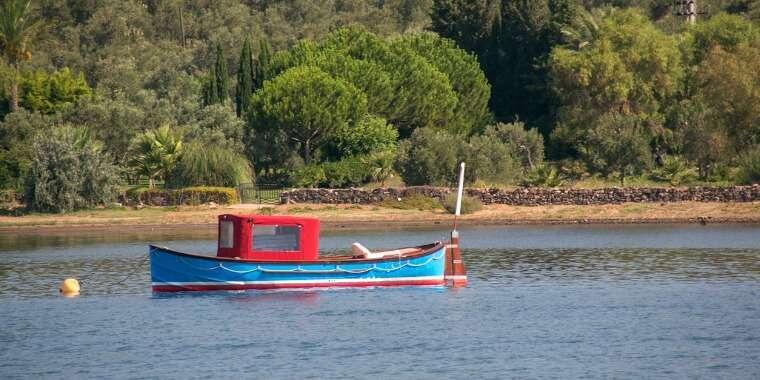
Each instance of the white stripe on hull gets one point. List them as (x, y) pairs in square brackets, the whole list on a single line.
[(315, 281)]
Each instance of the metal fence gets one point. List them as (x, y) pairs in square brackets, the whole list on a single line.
[(259, 193)]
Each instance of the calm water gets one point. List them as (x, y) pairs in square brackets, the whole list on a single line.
[(543, 302)]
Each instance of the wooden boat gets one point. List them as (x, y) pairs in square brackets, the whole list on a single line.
[(270, 252)]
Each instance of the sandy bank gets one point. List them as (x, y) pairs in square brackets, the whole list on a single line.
[(374, 217)]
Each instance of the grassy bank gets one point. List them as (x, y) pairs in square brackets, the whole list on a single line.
[(385, 216)]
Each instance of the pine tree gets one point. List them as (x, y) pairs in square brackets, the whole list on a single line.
[(262, 63), (245, 76)]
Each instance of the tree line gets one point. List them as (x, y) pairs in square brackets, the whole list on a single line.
[(335, 94)]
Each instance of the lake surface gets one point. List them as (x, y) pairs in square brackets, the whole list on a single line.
[(650, 301)]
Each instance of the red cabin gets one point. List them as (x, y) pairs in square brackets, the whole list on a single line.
[(268, 238)]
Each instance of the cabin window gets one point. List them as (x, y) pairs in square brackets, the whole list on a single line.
[(226, 230), (276, 238)]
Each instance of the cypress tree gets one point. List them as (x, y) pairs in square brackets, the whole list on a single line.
[(221, 75), (262, 64), (244, 87), (210, 95)]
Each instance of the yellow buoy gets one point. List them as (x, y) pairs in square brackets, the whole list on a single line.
[(69, 287)]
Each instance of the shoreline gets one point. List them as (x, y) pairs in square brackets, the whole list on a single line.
[(353, 217)]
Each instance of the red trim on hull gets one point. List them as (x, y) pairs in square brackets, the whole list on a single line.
[(185, 288)]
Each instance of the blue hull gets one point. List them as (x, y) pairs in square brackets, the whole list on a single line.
[(176, 271)]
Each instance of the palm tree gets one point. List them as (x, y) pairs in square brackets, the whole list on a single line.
[(585, 29), (155, 153), (16, 31)]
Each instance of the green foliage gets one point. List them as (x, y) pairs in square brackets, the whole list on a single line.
[(526, 145), (309, 176), (512, 40), (618, 144), (675, 171), (210, 165), (262, 63), (380, 165), (490, 159), (429, 157), (369, 134), (216, 125), (543, 176), (49, 93), (724, 30), (17, 133), (631, 69), (245, 75), (465, 75), (730, 85), (307, 107), (114, 122), (749, 166), (185, 196), (68, 172), (348, 172), (400, 85), (204, 194), (469, 204), (549, 63), (702, 138), (215, 90), (155, 153), (18, 27)]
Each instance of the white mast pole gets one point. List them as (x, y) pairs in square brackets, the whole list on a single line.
[(459, 194)]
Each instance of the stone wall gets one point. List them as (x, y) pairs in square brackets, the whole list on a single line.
[(532, 196)]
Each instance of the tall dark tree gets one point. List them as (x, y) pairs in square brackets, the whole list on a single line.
[(222, 76), (210, 89), (262, 62), (512, 40), (215, 89), (245, 76)]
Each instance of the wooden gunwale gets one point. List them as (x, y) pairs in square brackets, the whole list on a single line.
[(425, 250)]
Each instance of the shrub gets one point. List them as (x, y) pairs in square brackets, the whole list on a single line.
[(211, 166), (203, 194), (308, 176), (526, 145), (351, 171), (469, 204), (429, 157), (344, 173), (491, 160), (749, 167), (185, 196), (380, 165), (573, 169), (674, 170), (370, 134), (68, 172), (544, 176)]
